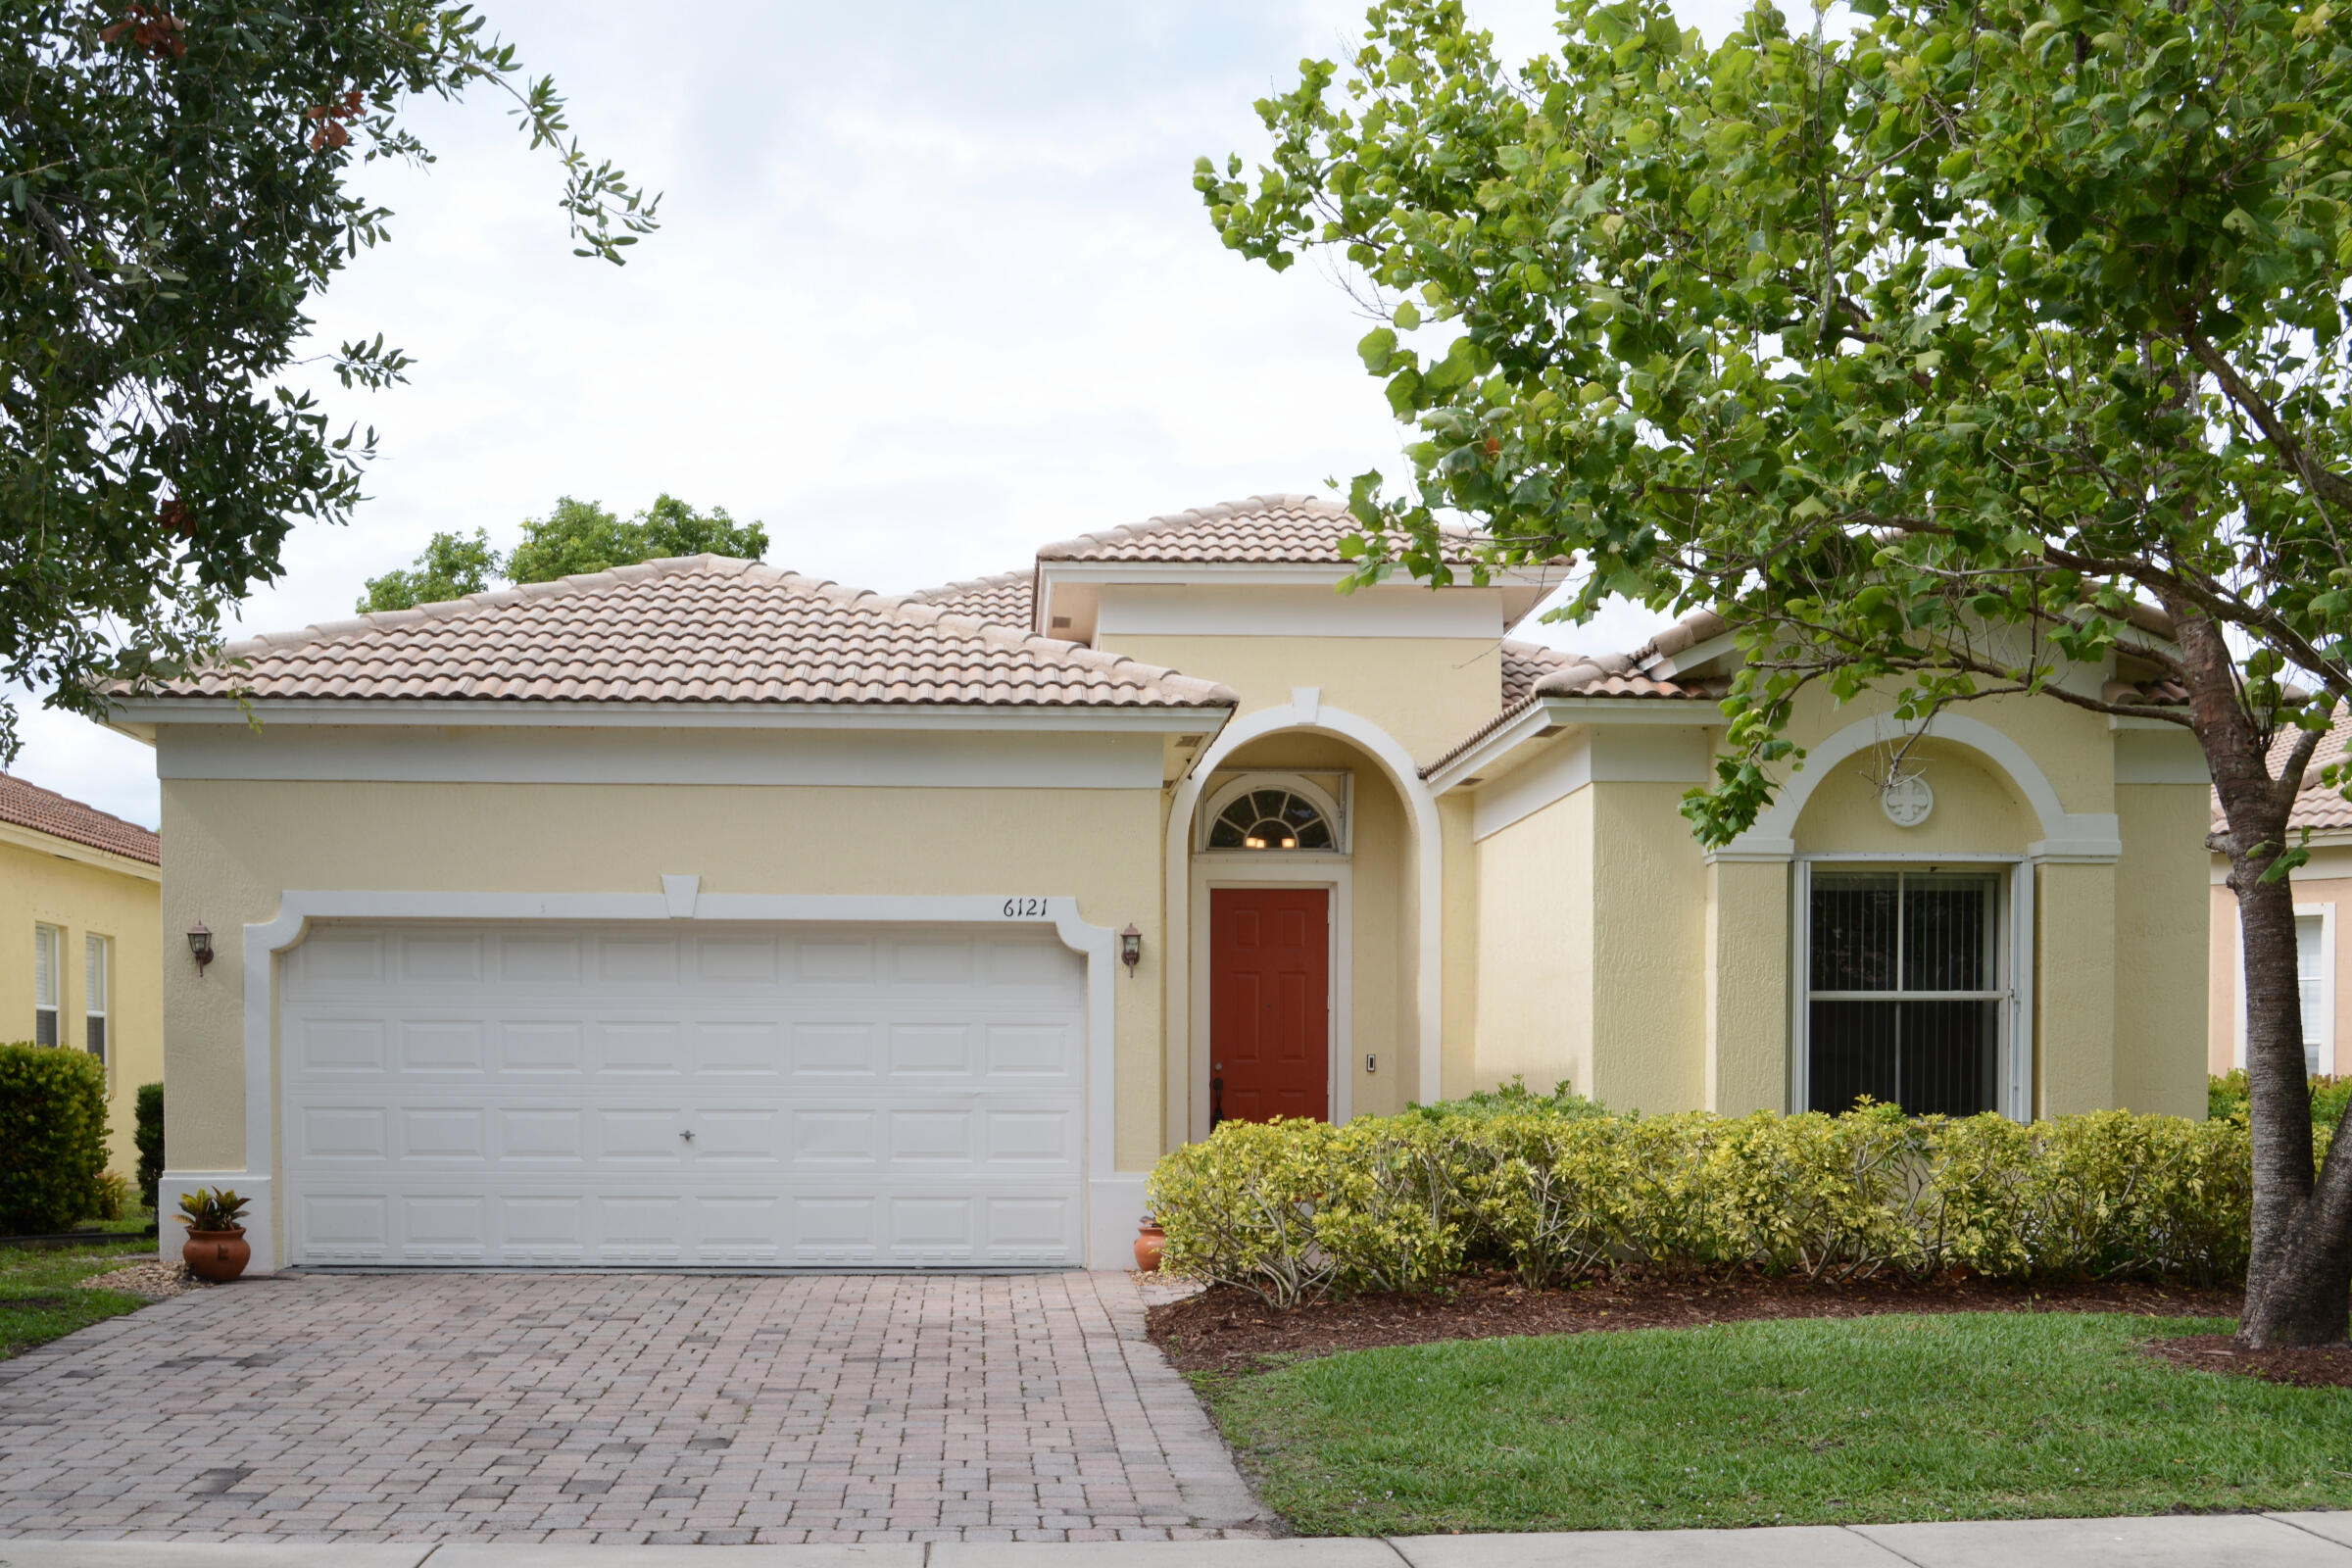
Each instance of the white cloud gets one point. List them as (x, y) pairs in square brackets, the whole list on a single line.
[(933, 287)]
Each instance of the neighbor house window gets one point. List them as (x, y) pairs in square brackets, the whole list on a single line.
[(1905, 995), (45, 984), (1271, 819), (2314, 962), (94, 995)]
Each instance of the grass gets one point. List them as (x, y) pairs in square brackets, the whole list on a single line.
[(1969, 1415), (40, 1298)]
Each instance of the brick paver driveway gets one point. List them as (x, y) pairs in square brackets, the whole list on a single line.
[(618, 1407)]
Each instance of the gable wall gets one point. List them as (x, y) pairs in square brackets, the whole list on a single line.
[(1428, 691)]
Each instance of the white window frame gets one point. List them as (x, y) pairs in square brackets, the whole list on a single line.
[(2303, 912), (2013, 928), (48, 963), (97, 992)]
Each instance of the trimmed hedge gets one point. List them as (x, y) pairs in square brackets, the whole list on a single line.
[(148, 1137), (52, 1137), (1296, 1210), (2228, 1096)]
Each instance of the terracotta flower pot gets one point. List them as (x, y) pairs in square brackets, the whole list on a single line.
[(1151, 1246), (216, 1255)]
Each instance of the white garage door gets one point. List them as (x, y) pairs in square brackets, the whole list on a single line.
[(895, 1096)]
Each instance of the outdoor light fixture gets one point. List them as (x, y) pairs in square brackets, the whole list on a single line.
[(200, 943), (1131, 949)]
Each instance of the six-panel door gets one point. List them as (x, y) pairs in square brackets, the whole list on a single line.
[(511, 1095), (1269, 973)]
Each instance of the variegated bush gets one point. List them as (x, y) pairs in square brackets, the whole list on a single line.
[(1296, 1210)]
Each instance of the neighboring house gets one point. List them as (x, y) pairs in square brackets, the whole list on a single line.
[(696, 912), (82, 910), (2322, 886)]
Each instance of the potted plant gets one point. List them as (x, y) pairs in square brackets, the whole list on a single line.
[(1150, 1245), (216, 1249)]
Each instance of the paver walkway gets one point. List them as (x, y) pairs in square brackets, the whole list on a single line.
[(641, 1408)]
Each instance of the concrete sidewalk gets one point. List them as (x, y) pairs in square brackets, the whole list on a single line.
[(2225, 1541)]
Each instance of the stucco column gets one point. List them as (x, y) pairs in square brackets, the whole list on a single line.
[(2074, 987), (1747, 986)]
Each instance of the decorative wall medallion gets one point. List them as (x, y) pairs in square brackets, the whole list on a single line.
[(1907, 801)]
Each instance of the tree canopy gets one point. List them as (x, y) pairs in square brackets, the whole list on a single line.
[(1928, 355), (576, 537), (174, 187)]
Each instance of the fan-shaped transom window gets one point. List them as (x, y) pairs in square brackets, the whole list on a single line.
[(1271, 819)]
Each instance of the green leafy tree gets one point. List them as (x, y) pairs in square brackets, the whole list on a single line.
[(582, 536), (577, 536), (174, 187), (1929, 355), (451, 568)]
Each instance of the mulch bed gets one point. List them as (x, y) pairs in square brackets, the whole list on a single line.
[(1230, 1331), (2218, 1352)]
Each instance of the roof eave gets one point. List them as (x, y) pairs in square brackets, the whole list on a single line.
[(147, 714), (1542, 716)]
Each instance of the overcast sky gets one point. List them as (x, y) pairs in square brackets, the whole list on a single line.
[(932, 288)]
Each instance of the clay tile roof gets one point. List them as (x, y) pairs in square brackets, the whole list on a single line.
[(1531, 671), (2317, 807), (47, 811), (1007, 598), (696, 629), (1276, 530), (1525, 663)]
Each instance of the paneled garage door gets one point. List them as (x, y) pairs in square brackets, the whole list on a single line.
[(894, 1096)]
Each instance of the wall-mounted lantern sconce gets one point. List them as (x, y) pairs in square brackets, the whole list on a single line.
[(200, 943), (1131, 949)]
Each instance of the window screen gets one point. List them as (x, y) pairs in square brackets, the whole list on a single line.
[(44, 985), (1903, 1001), (94, 995)]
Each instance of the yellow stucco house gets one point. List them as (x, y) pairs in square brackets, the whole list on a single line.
[(700, 913), (81, 895)]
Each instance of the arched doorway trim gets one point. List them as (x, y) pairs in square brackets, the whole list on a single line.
[(1187, 1087)]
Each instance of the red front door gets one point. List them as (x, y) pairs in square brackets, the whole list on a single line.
[(1269, 1003)]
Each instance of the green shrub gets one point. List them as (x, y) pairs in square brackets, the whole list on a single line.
[(110, 1193), (52, 1137), (150, 1139), (2228, 1095), (1294, 1210), (1510, 1100)]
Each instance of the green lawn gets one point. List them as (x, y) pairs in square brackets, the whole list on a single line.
[(1967, 1416), (39, 1299)]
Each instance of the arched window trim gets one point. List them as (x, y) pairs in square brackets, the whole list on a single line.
[(1334, 811)]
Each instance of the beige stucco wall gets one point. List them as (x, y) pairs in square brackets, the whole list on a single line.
[(1428, 691), (1747, 986), (2074, 989), (235, 844), (1458, 1064), (1536, 882), (1649, 949), (85, 892), (1381, 967), (2161, 893)]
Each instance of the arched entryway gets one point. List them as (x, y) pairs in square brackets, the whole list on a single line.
[(1332, 922)]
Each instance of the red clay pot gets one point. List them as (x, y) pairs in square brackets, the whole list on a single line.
[(216, 1255), (1151, 1246)]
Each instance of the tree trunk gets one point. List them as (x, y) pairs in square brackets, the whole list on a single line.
[(2299, 1280)]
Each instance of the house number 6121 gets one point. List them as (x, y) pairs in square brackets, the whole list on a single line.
[(1024, 908)]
